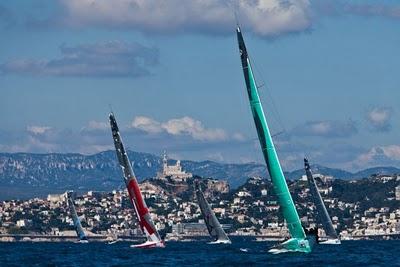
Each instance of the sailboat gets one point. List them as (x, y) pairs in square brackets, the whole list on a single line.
[(142, 212), (77, 223), (212, 223), (323, 215), (298, 241)]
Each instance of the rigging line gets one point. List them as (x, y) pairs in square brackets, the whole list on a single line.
[(278, 133), (276, 117), (273, 110)]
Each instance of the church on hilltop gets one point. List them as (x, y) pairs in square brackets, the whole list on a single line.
[(175, 172)]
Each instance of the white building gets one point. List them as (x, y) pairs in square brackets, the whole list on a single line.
[(174, 171), (244, 194), (397, 192), (264, 192), (24, 223), (303, 178), (56, 198)]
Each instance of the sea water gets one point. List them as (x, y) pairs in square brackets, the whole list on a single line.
[(240, 253)]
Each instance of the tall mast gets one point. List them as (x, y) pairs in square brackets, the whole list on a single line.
[(298, 240), (142, 213)]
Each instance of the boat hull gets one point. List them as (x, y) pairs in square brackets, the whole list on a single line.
[(220, 242), (330, 242), (292, 245), (150, 244)]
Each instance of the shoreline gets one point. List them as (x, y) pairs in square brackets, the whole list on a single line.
[(105, 239)]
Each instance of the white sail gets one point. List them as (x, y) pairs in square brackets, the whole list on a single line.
[(322, 213), (77, 223), (212, 223)]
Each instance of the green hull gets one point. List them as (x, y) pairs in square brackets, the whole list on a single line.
[(293, 245), (298, 241)]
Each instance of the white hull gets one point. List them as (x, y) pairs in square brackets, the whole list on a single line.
[(278, 250), (150, 244), (220, 242), (330, 242)]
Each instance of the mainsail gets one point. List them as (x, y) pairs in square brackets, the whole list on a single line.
[(77, 223), (322, 214), (212, 223), (298, 241), (142, 213)]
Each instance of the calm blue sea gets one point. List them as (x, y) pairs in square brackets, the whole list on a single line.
[(350, 253)]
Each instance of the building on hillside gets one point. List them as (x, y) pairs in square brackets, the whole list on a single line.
[(24, 223), (190, 229), (264, 192), (324, 178), (397, 192), (56, 197), (96, 194), (303, 178), (174, 171)]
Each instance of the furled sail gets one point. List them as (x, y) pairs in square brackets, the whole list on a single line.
[(142, 213), (298, 241), (77, 223), (322, 214), (212, 223)]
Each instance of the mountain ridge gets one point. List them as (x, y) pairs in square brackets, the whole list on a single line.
[(53, 172)]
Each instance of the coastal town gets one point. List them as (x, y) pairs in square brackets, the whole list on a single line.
[(360, 209)]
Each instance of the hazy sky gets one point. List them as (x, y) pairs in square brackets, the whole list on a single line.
[(171, 72)]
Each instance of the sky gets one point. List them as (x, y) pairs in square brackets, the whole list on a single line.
[(171, 73)]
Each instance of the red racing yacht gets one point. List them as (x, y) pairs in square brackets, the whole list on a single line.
[(142, 212)]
